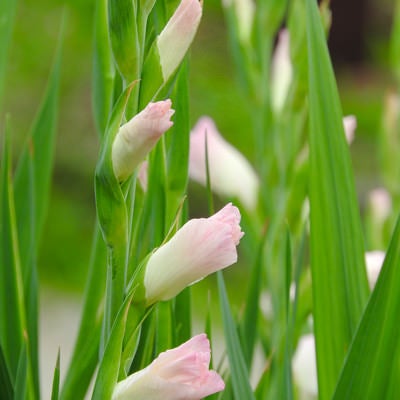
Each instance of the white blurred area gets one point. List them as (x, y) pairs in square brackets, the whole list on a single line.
[(58, 325)]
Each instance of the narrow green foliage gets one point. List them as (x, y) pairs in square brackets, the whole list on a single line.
[(33, 174), (372, 369), (5, 378), (177, 139), (183, 316), (337, 253), (12, 310), (286, 388), (239, 374), (7, 13), (56, 379), (103, 69), (124, 38), (248, 328), (21, 379), (164, 326), (32, 189), (108, 371), (86, 350)]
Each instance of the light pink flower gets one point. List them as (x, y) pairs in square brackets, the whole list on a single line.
[(231, 175), (200, 247), (176, 37), (350, 125), (178, 374), (374, 261), (137, 137), (281, 72), (380, 203)]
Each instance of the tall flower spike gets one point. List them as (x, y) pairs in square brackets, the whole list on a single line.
[(176, 37), (137, 137), (178, 374), (201, 247), (231, 175)]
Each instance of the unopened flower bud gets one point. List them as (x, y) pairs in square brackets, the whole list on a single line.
[(231, 174), (380, 204), (281, 71), (374, 261), (176, 37), (201, 247), (177, 374), (350, 125), (137, 137)]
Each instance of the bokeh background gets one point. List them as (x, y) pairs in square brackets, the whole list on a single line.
[(359, 47)]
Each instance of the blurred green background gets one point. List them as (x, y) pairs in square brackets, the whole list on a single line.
[(65, 249)]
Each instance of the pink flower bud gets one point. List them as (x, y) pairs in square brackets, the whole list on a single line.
[(137, 137), (178, 374), (380, 203), (200, 247), (281, 72), (176, 37), (231, 175), (350, 125), (374, 261)]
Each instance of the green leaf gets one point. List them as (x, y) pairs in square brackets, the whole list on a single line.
[(103, 70), (248, 328), (12, 310), (337, 253), (124, 38), (21, 380), (108, 371), (5, 378), (177, 140), (239, 376), (32, 188), (56, 379), (372, 369), (85, 355), (7, 12)]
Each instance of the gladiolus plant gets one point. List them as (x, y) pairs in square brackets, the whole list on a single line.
[(297, 256)]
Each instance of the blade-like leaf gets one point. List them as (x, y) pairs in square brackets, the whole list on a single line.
[(239, 375), (372, 368), (85, 356), (12, 310), (337, 260), (5, 379), (108, 370), (56, 379), (21, 380), (103, 69), (32, 187)]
